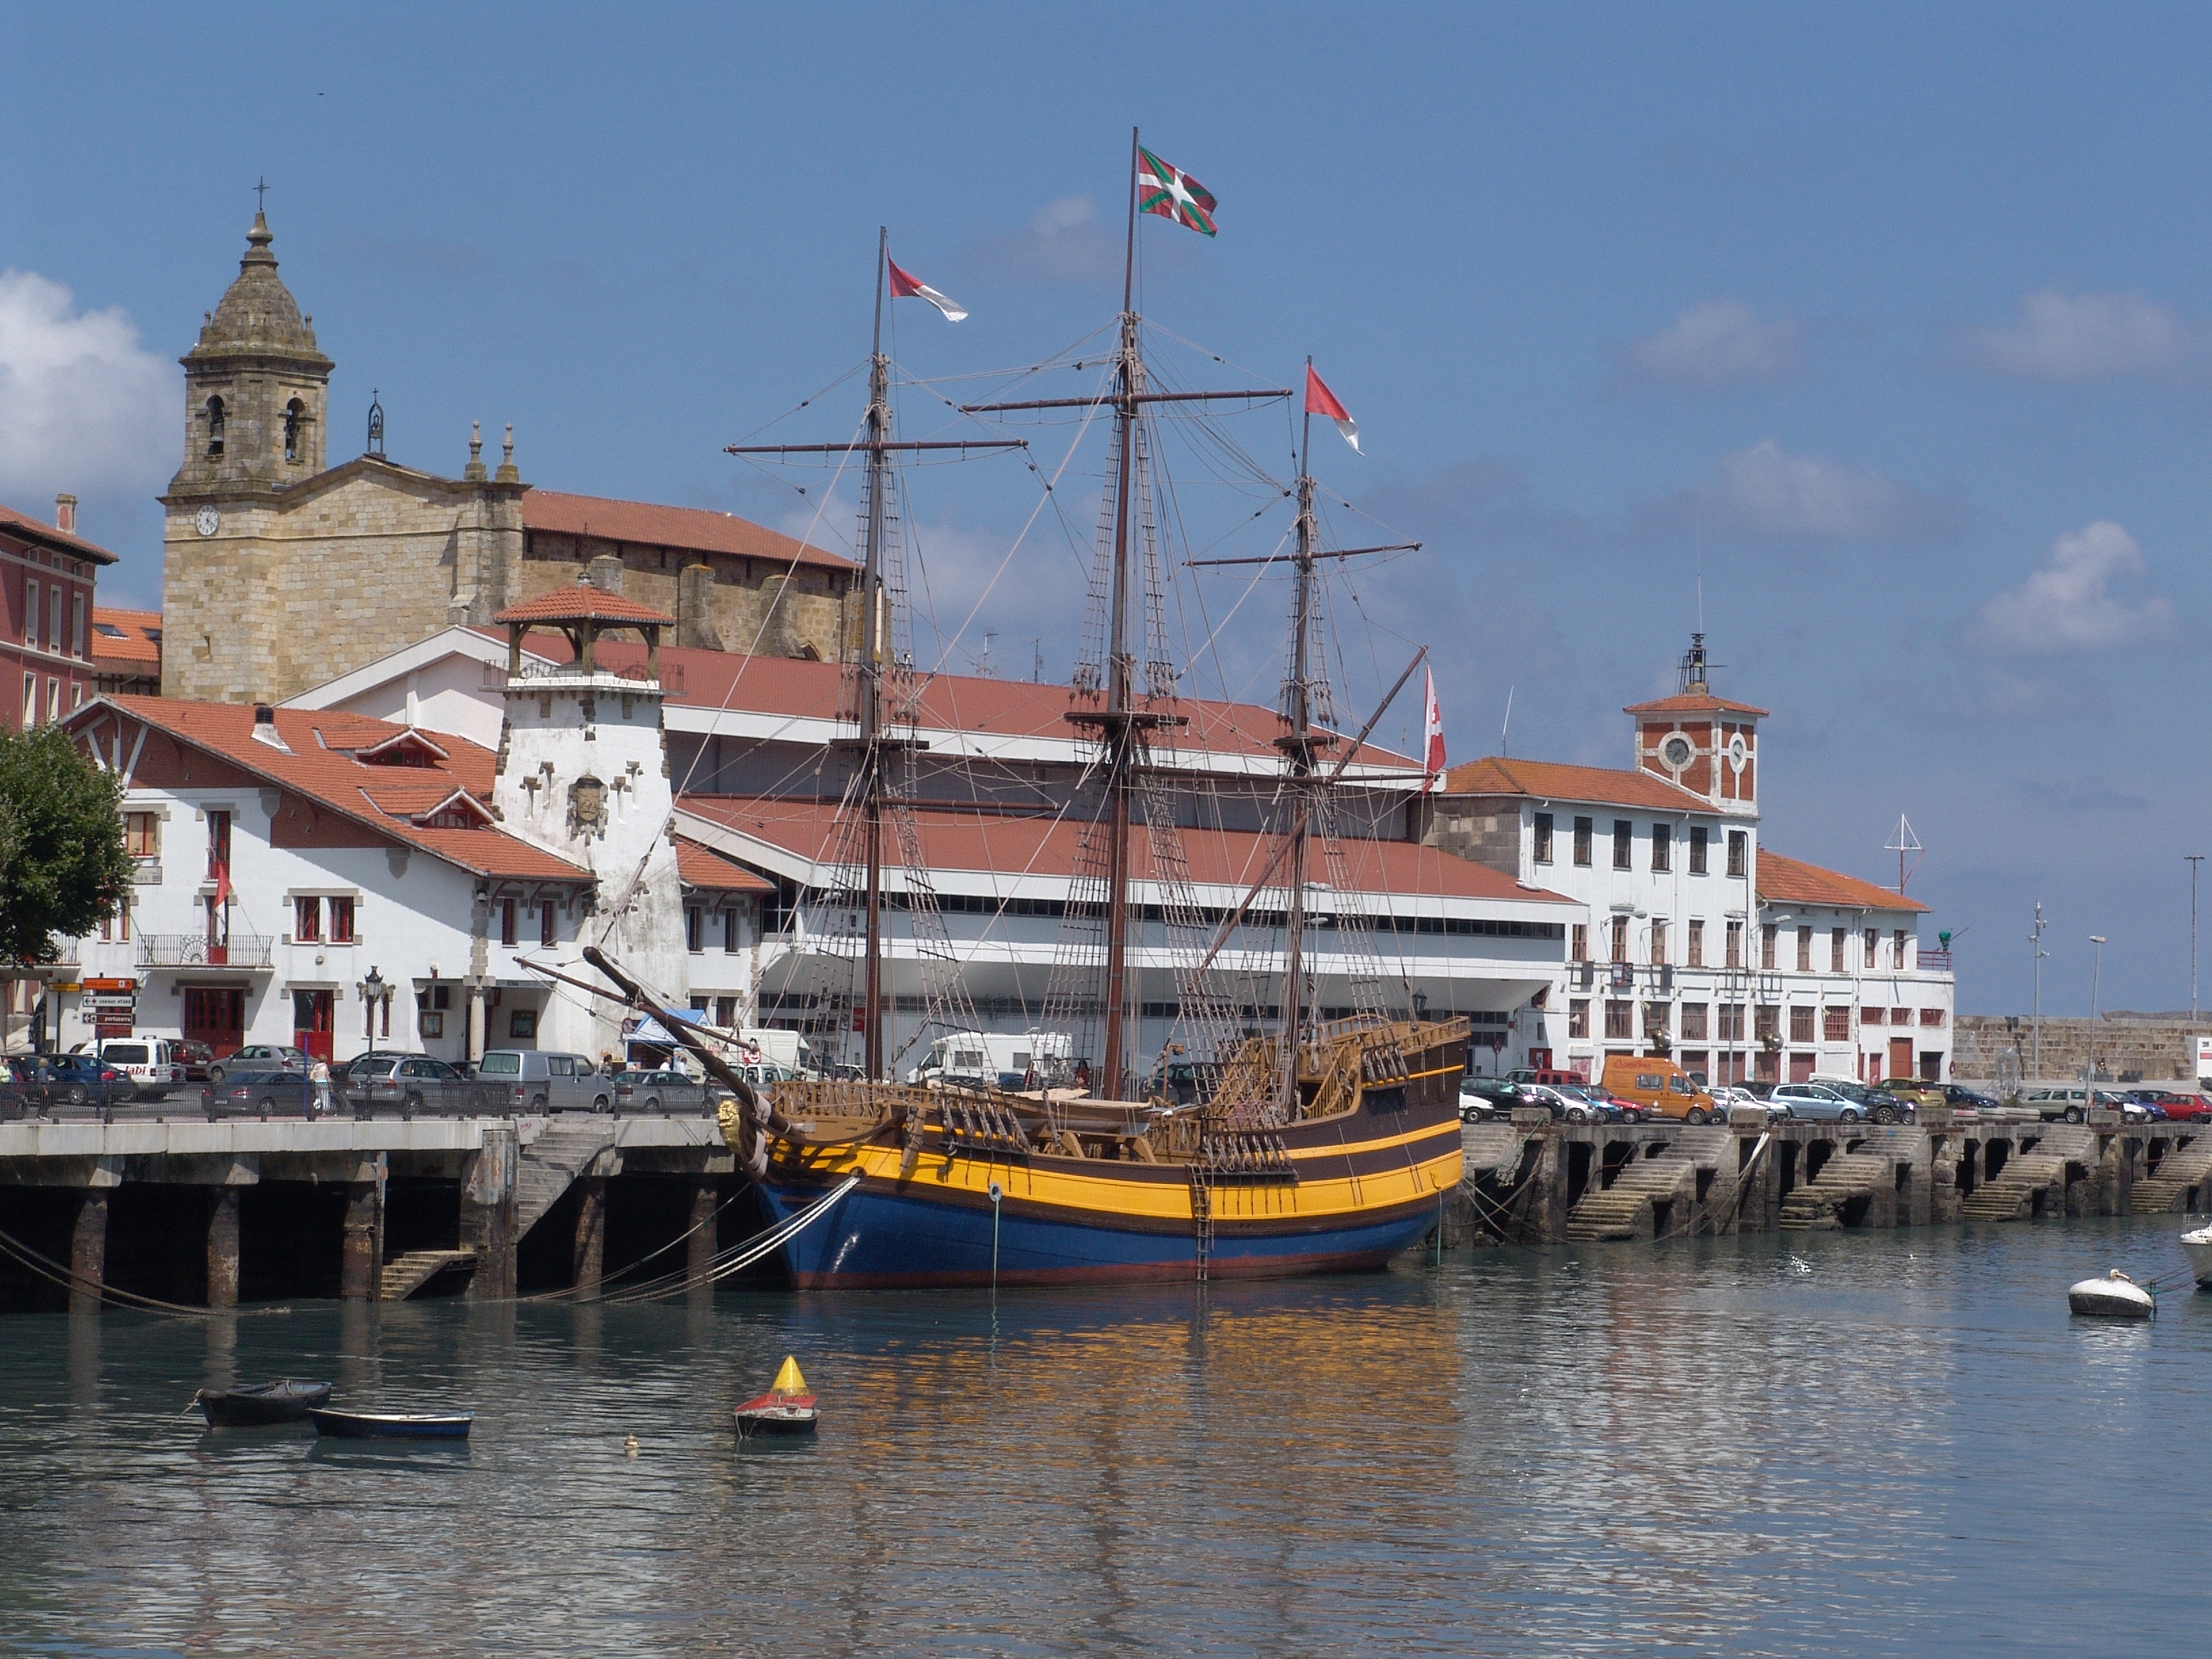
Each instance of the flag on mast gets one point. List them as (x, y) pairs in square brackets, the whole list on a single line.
[(1173, 194), (1320, 400), (906, 286), (1432, 732)]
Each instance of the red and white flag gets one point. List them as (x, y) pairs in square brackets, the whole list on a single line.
[(1432, 733), (1320, 400), (906, 286)]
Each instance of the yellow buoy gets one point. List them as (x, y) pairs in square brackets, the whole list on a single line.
[(789, 1381)]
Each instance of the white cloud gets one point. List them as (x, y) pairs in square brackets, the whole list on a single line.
[(1766, 491), (2084, 336), (1066, 241), (1720, 344), (2065, 605), (81, 407)]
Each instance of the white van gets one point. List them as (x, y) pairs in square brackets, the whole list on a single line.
[(994, 1059), (152, 1064), (539, 1080)]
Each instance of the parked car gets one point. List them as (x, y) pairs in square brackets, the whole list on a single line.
[(86, 1080), (1819, 1102), (1916, 1090), (665, 1092), (407, 1083), (2180, 1107), (195, 1057), (2072, 1103), (260, 1057), (1879, 1104), (1963, 1099), (1566, 1103), (1526, 1074), (247, 1093), (1659, 1087), (1482, 1098), (540, 1080), (2131, 1110), (150, 1063)]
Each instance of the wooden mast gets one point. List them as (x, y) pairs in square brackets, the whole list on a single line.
[(1297, 745)]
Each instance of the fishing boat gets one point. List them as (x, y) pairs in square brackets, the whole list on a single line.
[(2114, 1296), (1326, 1145), (787, 1409), (257, 1405), (2198, 1247), (391, 1426)]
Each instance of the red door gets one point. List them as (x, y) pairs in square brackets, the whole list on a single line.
[(311, 1022), (1900, 1057), (216, 1015)]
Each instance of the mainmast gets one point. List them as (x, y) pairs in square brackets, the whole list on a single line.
[(1299, 744), (873, 747)]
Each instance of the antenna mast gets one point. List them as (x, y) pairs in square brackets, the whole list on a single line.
[(1905, 842)]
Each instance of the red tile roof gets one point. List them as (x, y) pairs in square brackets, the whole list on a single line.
[(1496, 774), (952, 839), (704, 868), (322, 767), (687, 527), (1790, 881), (1691, 703), (39, 531), (803, 689), (140, 644), (581, 602)]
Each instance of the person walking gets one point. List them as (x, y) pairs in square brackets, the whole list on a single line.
[(319, 1075)]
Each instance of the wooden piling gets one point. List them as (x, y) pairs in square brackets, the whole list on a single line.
[(590, 1233), (358, 1267), (88, 1251), (699, 1248), (222, 1248)]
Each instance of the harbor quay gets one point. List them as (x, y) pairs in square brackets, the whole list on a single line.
[(200, 1214), (206, 1215)]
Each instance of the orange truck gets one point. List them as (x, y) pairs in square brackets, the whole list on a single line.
[(1661, 1087)]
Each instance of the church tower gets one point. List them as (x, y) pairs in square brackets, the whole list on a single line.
[(255, 387), (1701, 743)]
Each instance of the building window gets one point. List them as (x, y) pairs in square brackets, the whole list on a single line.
[(1900, 1016), (1873, 948), (1655, 1018), (1835, 1026), (30, 701), (1658, 942), (1579, 949), (1697, 958), (1928, 1016), (214, 426), (1766, 1067), (1731, 1023), (1739, 853), (295, 414), (30, 618), (1619, 1020), (1804, 950), (1801, 1024), (307, 921), (1620, 939), (1693, 1022), (1624, 833), (1662, 846), (549, 924), (1873, 1016), (1578, 1018), (1543, 838), (730, 931), (507, 921), (1735, 944), (1767, 946), (695, 929), (76, 623), (726, 1012), (1835, 950), (1897, 950), (1582, 829), (53, 700), (116, 924), (218, 825), (522, 1026), (1764, 1021), (1697, 850), (142, 835), (341, 921)]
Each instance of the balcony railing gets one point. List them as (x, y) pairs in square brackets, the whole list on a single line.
[(197, 951), (1935, 962)]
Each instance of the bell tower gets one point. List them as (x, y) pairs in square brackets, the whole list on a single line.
[(1701, 743), (256, 388)]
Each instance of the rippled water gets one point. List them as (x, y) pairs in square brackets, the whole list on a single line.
[(1892, 1443)]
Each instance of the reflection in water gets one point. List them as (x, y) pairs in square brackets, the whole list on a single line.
[(1689, 1449)]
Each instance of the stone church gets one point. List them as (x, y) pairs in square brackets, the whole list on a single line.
[(281, 572)]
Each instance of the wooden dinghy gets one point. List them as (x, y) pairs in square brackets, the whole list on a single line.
[(257, 1405), (788, 1408), (2115, 1296), (392, 1426)]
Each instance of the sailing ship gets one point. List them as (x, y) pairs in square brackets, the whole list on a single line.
[(1326, 1145)]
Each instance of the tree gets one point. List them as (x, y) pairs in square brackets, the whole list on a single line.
[(63, 862)]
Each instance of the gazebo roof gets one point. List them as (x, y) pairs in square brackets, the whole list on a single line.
[(582, 602)]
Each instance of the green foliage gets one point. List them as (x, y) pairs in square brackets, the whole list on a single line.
[(62, 861)]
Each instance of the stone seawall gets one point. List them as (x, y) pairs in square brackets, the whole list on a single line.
[(1996, 1045)]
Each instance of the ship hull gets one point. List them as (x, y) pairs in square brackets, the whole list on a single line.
[(1362, 1188)]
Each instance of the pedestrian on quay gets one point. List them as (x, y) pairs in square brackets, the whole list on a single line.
[(319, 1075), (607, 1066)]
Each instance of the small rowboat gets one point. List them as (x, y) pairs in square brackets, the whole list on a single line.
[(393, 1425), (788, 1408), (258, 1404), (2113, 1297)]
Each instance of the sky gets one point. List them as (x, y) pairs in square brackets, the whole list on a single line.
[(1879, 337)]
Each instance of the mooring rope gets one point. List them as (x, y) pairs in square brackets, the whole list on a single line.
[(69, 1278)]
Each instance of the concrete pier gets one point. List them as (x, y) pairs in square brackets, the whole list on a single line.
[(699, 1248), (222, 1248), (591, 1234), (88, 1251)]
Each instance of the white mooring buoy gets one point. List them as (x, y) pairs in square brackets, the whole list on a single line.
[(2113, 1297)]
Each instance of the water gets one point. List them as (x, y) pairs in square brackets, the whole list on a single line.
[(1873, 1444)]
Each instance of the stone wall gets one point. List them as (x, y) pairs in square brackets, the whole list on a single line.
[(2159, 1050), (1485, 832), (720, 602)]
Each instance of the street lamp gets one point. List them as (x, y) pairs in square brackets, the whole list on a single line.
[(2036, 939), (2096, 968), (2194, 859), (374, 990)]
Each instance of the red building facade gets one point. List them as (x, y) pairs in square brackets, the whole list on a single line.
[(47, 638)]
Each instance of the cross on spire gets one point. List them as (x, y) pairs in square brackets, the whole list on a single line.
[(261, 195)]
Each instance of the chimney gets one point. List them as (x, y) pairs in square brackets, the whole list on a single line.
[(65, 515)]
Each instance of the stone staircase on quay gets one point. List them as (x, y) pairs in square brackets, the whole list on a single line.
[(404, 1275), (2008, 1196), (2185, 1170), (1628, 1209), (1867, 1167), (564, 1151)]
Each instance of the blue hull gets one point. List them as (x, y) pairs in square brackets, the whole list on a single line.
[(880, 1238)]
